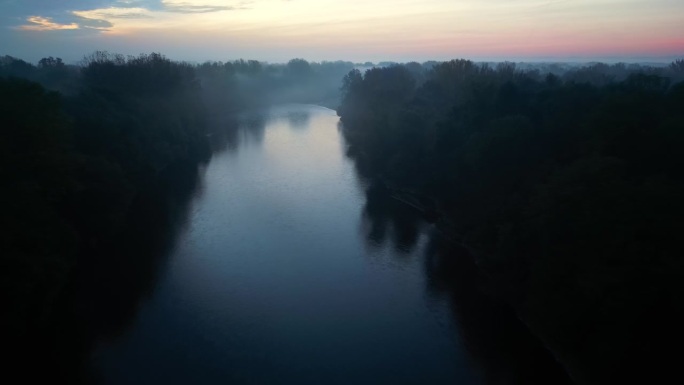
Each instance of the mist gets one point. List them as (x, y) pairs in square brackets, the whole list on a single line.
[(350, 221)]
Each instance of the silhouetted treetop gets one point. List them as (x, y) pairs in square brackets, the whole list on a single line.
[(567, 184)]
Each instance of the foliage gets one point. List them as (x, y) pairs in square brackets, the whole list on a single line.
[(243, 84), (73, 165), (569, 187)]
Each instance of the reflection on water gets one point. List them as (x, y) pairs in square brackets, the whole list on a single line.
[(498, 344), (291, 269), (388, 221), (112, 280), (127, 273), (298, 119), (233, 131)]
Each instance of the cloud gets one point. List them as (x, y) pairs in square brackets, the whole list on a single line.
[(201, 6), (101, 19), (358, 28), (114, 13), (39, 23)]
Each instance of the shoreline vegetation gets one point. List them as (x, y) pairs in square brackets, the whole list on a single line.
[(91, 152), (445, 231), (565, 187), (76, 165), (569, 180)]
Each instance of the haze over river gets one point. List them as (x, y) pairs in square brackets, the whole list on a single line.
[(286, 271)]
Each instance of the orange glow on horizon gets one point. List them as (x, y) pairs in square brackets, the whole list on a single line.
[(398, 28)]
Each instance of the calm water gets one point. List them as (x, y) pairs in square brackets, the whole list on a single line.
[(287, 272)]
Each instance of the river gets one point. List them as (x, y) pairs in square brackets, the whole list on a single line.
[(287, 271)]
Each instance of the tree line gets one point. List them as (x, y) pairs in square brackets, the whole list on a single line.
[(566, 186), (74, 162), (80, 142), (567, 180), (97, 159)]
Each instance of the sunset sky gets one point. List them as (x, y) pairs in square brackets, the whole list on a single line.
[(358, 30)]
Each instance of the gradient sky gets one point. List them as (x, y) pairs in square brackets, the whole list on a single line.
[(358, 30)]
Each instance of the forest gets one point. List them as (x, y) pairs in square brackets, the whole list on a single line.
[(78, 153), (566, 187), (86, 148), (564, 182)]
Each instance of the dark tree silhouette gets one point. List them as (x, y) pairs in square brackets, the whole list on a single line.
[(568, 186)]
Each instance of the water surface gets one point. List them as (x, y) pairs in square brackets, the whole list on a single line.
[(287, 272)]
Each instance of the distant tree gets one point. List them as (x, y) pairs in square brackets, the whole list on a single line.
[(506, 68), (254, 67), (416, 70), (298, 69), (568, 187), (50, 62), (677, 66), (351, 81), (11, 66)]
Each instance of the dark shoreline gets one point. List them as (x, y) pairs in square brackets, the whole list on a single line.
[(443, 231)]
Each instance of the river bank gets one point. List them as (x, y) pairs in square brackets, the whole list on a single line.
[(286, 271)]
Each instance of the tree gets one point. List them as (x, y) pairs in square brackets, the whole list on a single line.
[(50, 62), (298, 69)]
